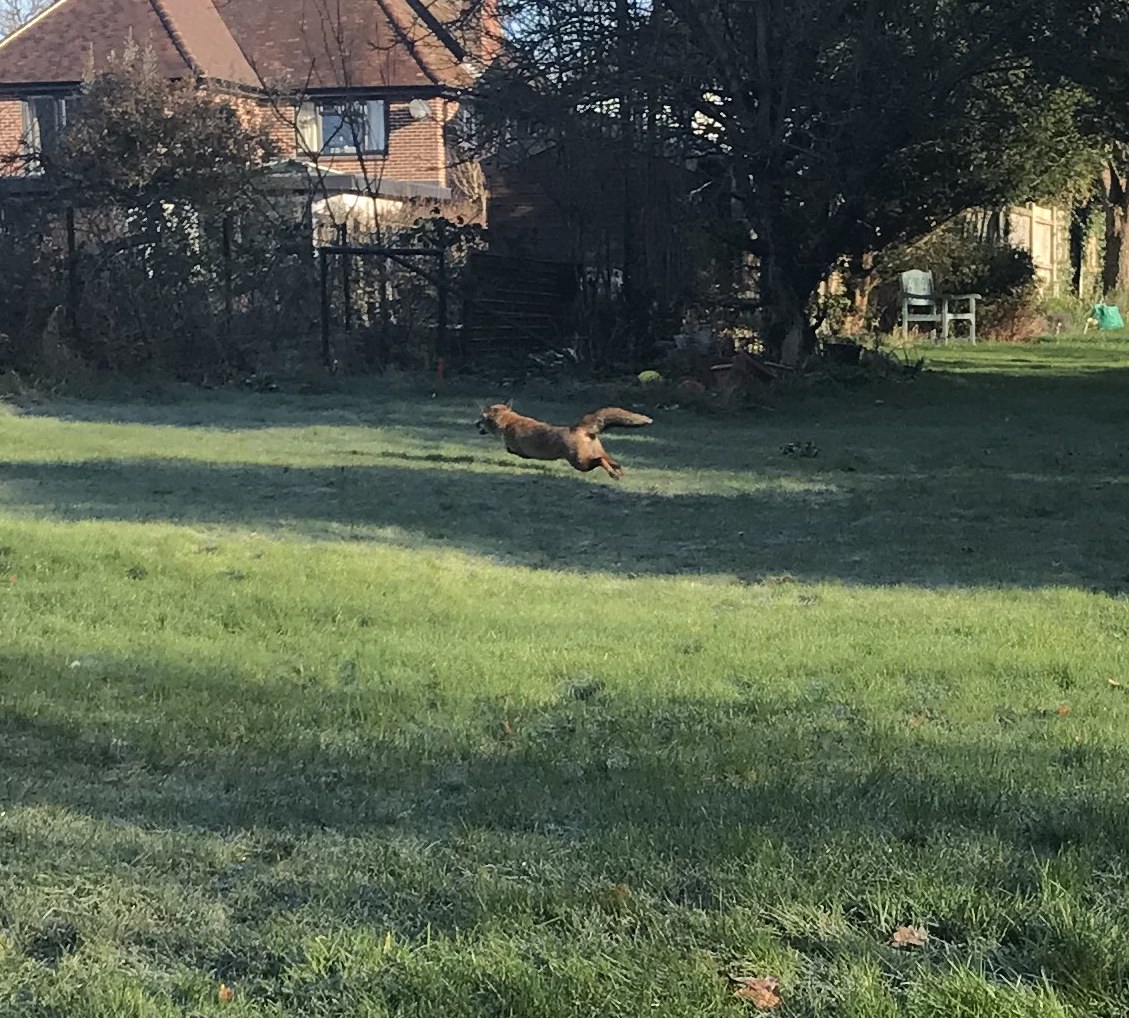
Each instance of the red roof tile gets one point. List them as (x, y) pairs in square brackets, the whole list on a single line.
[(57, 45), (280, 43), (199, 32), (328, 43)]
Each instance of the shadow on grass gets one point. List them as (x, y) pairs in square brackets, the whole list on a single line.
[(753, 825), (389, 811), (973, 388), (654, 784), (968, 526)]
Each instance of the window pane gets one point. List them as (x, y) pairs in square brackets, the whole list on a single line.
[(332, 130), (31, 127), (343, 128), (376, 134), (307, 125)]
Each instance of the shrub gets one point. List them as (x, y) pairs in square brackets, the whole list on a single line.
[(128, 262), (964, 262), (1067, 314)]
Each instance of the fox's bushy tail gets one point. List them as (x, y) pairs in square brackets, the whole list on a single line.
[(610, 417)]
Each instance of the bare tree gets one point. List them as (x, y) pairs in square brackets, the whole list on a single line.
[(838, 127), (14, 13)]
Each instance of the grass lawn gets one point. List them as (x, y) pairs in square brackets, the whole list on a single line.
[(324, 705)]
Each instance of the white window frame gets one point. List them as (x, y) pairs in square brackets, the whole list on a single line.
[(367, 135), (31, 110)]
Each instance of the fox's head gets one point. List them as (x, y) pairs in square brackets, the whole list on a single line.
[(489, 422)]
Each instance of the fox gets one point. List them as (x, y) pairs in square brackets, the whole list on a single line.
[(580, 445)]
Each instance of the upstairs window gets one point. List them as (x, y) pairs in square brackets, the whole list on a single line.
[(343, 128), (44, 118)]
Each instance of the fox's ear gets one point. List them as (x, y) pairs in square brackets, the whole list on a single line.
[(509, 404)]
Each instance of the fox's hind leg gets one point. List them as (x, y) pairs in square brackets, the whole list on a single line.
[(591, 455), (602, 460)]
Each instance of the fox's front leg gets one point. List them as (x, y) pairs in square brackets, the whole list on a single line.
[(615, 471), (600, 458)]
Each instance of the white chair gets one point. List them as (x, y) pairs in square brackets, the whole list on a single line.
[(921, 304)]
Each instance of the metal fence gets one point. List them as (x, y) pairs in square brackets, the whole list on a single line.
[(163, 285)]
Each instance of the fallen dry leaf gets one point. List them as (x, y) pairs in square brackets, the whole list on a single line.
[(1114, 683), (1063, 710), (909, 936), (615, 896), (760, 991), (225, 993)]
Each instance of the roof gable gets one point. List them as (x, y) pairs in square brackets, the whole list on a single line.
[(199, 32), (295, 44), (331, 43), (59, 44)]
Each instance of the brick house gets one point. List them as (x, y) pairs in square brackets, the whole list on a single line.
[(361, 89)]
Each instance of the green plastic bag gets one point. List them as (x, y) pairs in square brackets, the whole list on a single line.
[(1108, 317)]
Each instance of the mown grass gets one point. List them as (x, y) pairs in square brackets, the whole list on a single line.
[(326, 701)]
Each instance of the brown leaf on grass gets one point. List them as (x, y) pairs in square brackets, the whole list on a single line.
[(1063, 710), (909, 936), (616, 896), (760, 991), (225, 993)]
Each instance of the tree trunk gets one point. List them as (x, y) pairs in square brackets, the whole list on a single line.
[(1079, 227), (793, 330), (789, 334), (1115, 267)]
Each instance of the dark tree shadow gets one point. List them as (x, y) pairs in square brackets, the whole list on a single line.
[(577, 770), (939, 486), (855, 526), (982, 478)]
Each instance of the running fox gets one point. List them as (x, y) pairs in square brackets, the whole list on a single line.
[(535, 440)]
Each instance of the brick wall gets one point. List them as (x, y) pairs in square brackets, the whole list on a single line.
[(11, 127), (416, 148), (491, 29), (277, 119)]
